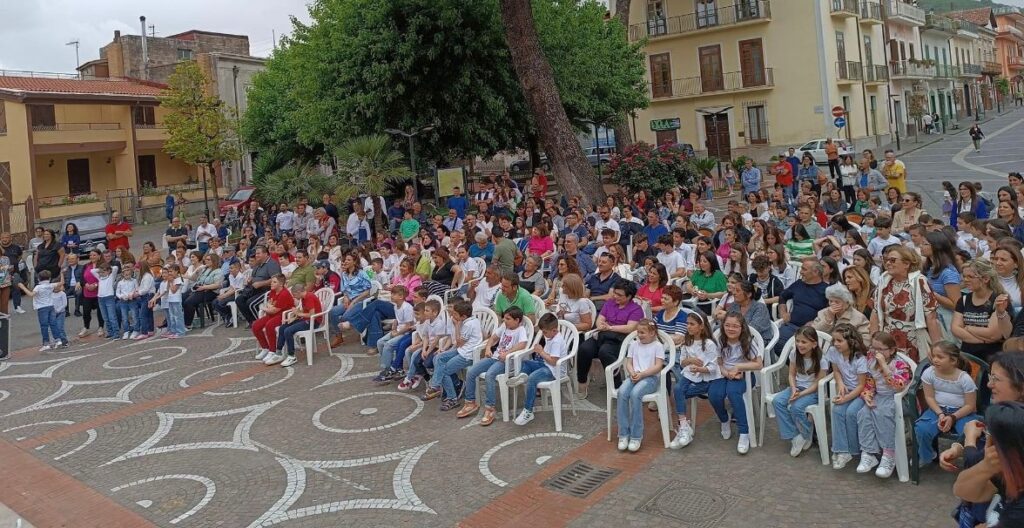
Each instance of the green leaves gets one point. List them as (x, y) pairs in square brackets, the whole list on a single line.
[(368, 164), (292, 182), (199, 132), (653, 169)]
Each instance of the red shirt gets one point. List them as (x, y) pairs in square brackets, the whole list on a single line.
[(310, 303), (117, 242), (282, 300), (783, 173)]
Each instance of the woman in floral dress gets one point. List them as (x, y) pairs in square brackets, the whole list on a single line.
[(904, 305)]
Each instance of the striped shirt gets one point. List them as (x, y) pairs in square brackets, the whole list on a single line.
[(675, 326)]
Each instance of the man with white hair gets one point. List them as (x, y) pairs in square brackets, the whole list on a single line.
[(483, 247), (808, 296), (585, 262)]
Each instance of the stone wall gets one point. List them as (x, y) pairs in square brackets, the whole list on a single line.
[(164, 52)]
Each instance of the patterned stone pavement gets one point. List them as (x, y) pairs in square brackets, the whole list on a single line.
[(194, 432)]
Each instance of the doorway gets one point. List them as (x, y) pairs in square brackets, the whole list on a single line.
[(147, 170), (78, 176), (716, 130), (711, 75)]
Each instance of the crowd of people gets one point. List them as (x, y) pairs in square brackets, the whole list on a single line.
[(846, 252)]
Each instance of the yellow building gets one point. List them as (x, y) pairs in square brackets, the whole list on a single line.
[(761, 75), (73, 144)]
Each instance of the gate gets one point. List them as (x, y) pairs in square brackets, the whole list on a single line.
[(123, 201)]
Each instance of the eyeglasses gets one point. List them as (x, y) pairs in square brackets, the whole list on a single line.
[(892, 260)]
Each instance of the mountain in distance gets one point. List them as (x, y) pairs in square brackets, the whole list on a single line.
[(943, 6)]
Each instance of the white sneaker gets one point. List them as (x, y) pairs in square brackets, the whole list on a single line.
[(867, 463), (126, 336), (83, 332), (652, 406), (19, 310), (134, 335), (743, 445), (885, 467), (623, 443), (840, 460), (683, 437), (726, 431), (524, 417), (273, 359), (262, 354), (634, 446), (44, 348), (797, 446), (289, 361)]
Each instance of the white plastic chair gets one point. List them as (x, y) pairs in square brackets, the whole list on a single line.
[(902, 463), (748, 395), (646, 306), (513, 364), (566, 363), (489, 323), (308, 337), (539, 308), (374, 255), (660, 397), (770, 389), (233, 306)]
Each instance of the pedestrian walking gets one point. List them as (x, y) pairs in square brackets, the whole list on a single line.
[(976, 136)]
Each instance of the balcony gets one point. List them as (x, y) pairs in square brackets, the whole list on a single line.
[(900, 11), (910, 70), (970, 70), (729, 82), (75, 127), (77, 137), (1015, 63), (945, 71), (848, 72), (876, 74), (845, 8), (1010, 32), (939, 24), (870, 13), (743, 12), (991, 67)]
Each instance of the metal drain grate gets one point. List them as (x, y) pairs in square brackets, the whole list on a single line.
[(580, 479)]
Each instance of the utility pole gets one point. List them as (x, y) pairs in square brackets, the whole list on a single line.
[(78, 62)]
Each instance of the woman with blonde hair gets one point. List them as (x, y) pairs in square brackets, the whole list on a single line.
[(904, 304), (981, 321), (571, 305), (859, 283)]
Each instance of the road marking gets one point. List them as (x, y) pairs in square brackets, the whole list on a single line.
[(958, 158)]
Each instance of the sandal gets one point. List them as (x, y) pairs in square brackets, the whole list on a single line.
[(371, 351), (488, 416), (468, 409)]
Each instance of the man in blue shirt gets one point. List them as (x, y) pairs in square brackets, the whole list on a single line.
[(600, 283), (794, 162), (574, 227), (458, 202), (586, 264), (654, 228), (453, 222), (750, 177), (808, 296)]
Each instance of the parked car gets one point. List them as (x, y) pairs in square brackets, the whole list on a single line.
[(606, 154), (91, 231), (524, 165), (238, 199), (817, 149)]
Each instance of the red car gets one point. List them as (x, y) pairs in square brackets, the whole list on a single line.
[(238, 199)]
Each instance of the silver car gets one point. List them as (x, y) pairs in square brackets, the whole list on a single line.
[(817, 149)]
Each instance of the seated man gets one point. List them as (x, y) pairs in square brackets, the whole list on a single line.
[(808, 296)]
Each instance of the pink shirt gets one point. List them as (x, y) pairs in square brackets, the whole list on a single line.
[(411, 283), (90, 279), (540, 245)]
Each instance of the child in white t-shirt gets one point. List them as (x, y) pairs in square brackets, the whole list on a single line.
[(546, 366), (170, 290), (644, 360), (424, 350), (125, 293), (508, 339), (697, 367), (43, 301), (468, 337), (405, 322), (106, 274)]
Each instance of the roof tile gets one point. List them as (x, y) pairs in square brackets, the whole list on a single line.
[(979, 16), (43, 85)]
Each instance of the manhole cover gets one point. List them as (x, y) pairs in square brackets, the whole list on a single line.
[(693, 506), (580, 479)]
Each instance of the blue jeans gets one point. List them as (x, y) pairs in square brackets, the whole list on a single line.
[(339, 313), (51, 324), (722, 388), (108, 307), (286, 334), (685, 389), (538, 372), (175, 318), (401, 347), (371, 319), (143, 314), (418, 366), (792, 417), (844, 427), (629, 406), (124, 308), (386, 348), (492, 367), (927, 428), (446, 372)]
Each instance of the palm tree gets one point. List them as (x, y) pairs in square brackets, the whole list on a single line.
[(369, 164), (291, 183)]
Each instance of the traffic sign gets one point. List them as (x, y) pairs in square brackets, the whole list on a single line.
[(838, 111), (840, 122)]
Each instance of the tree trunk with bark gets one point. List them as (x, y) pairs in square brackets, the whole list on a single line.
[(571, 169), (623, 137)]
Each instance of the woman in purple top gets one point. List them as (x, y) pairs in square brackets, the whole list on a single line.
[(617, 320), (90, 295)]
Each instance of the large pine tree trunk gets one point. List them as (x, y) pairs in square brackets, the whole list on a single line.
[(623, 137), (571, 169)]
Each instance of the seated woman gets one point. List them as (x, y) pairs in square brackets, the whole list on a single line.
[(204, 289), (531, 277), (746, 302), (371, 317), (841, 309), (571, 305), (444, 272), (707, 282), (653, 288), (617, 320), (564, 266), (355, 287)]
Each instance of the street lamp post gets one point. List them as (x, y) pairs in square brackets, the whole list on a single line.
[(718, 139), (410, 135)]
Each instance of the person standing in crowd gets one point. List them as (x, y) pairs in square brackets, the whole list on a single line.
[(118, 232)]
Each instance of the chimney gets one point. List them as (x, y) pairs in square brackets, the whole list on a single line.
[(117, 34), (145, 52)]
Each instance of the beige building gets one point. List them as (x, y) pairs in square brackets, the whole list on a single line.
[(752, 77)]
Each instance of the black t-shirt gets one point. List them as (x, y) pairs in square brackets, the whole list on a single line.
[(978, 316), (444, 274), (179, 232), (48, 257)]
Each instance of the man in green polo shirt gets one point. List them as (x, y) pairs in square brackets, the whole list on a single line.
[(504, 249), (305, 274), (512, 295), (422, 265)]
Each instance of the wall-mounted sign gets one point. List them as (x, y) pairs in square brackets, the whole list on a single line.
[(658, 125)]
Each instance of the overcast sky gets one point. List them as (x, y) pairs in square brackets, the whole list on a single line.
[(33, 33)]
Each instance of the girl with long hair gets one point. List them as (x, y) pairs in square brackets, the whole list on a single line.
[(697, 368), (739, 353), (805, 371), (848, 359)]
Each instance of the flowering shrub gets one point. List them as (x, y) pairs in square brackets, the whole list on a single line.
[(652, 169)]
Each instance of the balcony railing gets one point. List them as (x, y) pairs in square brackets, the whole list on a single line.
[(876, 73), (939, 23), (149, 125), (1015, 62), (899, 9), (904, 69), (945, 71), (849, 71), (845, 7), (728, 82), (991, 67), (1005, 30), (742, 11), (970, 70), (870, 12), (73, 127)]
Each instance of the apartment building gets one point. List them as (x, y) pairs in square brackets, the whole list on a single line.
[(72, 144), (752, 77)]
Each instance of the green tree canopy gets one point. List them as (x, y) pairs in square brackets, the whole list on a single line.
[(365, 65), (198, 130)]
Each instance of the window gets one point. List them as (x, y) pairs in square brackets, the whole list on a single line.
[(757, 125), (868, 59), (666, 136), (661, 75), (184, 54), (752, 63), (912, 53), (3, 119), (144, 116), (707, 13), (43, 117), (656, 24)]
